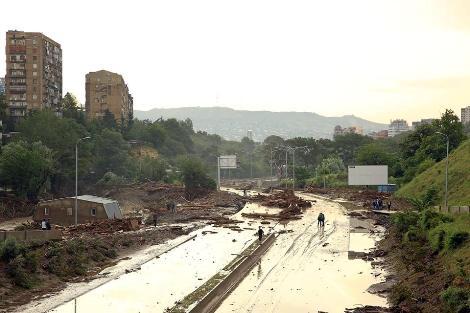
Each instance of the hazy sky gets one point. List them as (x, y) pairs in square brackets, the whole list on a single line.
[(374, 59)]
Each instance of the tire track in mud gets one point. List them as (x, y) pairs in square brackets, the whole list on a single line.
[(292, 252)]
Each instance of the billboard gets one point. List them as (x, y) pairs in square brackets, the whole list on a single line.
[(367, 175), (228, 161)]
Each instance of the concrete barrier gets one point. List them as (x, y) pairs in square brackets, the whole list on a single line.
[(44, 235), (214, 298), (31, 235), (18, 235), (453, 209)]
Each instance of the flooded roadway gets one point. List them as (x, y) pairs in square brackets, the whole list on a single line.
[(308, 270)]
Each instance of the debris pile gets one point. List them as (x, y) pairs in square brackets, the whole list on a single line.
[(284, 199), (102, 227)]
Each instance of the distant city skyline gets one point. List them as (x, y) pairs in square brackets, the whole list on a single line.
[(378, 60)]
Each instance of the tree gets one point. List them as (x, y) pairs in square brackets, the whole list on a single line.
[(346, 146), (59, 135), (194, 177), (331, 165), (112, 154), (70, 108), (26, 167), (378, 153)]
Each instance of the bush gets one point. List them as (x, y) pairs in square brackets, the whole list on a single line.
[(456, 239), (404, 220), (16, 270), (399, 294), (437, 239), (456, 299), (414, 234), (10, 249), (430, 219)]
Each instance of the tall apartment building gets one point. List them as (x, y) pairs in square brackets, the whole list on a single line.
[(108, 92), (2, 85), (397, 126), (465, 115), (424, 121), (33, 78)]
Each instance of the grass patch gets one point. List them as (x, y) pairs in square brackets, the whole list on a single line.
[(433, 177)]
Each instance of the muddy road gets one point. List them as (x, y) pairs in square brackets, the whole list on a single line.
[(308, 269)]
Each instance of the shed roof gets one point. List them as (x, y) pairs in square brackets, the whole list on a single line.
[(95, 199)]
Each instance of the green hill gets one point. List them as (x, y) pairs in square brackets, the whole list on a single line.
[(459, 178)]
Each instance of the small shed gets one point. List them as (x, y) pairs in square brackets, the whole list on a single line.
[(90, 208), (387, 188)]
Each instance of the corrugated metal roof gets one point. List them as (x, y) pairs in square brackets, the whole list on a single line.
[(95, 199)]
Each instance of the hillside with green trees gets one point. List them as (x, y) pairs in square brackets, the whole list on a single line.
[(434, 177)]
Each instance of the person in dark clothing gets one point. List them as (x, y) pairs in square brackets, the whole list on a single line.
[(48, 225), (389, 205), (171, 206), (155, 219), (260, 234), (381, 204), (321, 219)]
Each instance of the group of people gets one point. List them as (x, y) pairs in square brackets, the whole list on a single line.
[(378, 204), (45, 224)]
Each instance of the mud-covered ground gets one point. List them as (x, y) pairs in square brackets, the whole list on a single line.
[(310, 269)]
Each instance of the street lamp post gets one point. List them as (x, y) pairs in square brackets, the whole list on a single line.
[(76, 177), (447, 166)]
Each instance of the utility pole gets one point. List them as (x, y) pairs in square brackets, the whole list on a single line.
[(76, 177), (447, 167)]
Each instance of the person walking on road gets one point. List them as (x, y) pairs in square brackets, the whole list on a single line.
[(321, 219), (260, 234)]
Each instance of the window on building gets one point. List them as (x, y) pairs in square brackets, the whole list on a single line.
[(35, 57), (46, 211), (93, 211), (35, 81), (35, 73), (69, 211), (35, 97), (35, 65)]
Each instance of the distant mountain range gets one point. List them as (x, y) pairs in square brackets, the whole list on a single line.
[(233, 124)]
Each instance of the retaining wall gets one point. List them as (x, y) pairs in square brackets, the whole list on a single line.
[(31, 235), (214, 298)]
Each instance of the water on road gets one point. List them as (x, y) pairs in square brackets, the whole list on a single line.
[(308, 270)]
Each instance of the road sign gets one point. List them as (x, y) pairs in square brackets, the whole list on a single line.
[(228, 161), (368, 175)]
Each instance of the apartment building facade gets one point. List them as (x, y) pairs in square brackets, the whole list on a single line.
[(33, 79), (107, 92), (465, 115), (397, 127), (2, 85)]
